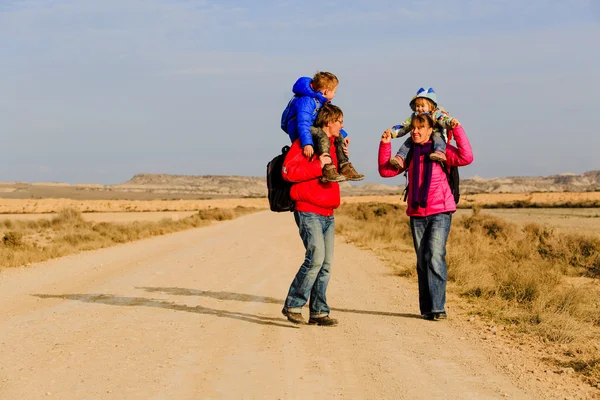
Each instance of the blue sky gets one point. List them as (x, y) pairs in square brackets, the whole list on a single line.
[(97, 91)]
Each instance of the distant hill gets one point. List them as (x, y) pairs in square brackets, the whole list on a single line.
[(164, 186)]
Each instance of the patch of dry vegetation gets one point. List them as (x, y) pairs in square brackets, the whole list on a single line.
[(26, 242), (531, 279)]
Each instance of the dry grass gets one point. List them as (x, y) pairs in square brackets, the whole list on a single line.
[(25, 242), (530, 279)]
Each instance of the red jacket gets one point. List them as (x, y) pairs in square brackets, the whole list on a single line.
[(309, 193)]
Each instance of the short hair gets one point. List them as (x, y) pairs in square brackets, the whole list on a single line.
[(328, 114), (421, 100), (420, 120), (325, 80)]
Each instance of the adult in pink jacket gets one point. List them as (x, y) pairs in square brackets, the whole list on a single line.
[(430, 207)]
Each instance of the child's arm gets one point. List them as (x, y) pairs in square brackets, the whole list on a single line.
[(401, 129), (305, 107), (444, 119)]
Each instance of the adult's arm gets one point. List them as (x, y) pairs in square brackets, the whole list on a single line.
[(298, 168), (386, 169), (462, 154)]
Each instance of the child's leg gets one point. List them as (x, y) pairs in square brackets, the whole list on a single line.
[(320, 140), (345, 166), (405, 148), (339, 150), (398, 160), (323, 146), (439, 146)]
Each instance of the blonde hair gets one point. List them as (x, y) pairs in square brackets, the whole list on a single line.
[(424, 100), (325, 80), (328, 114)]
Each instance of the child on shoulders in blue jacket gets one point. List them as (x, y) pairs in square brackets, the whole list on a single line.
[(299, 116)]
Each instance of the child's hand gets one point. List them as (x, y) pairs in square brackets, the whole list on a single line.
[(387, 136), (308, 151), (346, 141), (454, 123), (325, 159)]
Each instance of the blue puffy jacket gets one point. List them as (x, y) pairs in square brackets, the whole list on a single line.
[(303, 112)]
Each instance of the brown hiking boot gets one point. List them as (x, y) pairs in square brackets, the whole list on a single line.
[(348, 171), (330, 174), (397, 162), (323, 321), (295, 318)]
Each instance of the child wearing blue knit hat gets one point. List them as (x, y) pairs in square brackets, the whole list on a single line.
[(425, 101)]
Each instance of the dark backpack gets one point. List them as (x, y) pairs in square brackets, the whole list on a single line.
[(286, 116), (451, 174), (279, 188)]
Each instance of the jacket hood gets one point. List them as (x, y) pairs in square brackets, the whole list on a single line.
[(302, 88), (427, 93)]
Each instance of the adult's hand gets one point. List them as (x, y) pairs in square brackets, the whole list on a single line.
[(325, 159), (387, 136)]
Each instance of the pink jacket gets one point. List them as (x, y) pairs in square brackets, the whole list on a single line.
[(440, 197)]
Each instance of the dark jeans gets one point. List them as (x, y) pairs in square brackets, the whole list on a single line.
[(317, 233), (439, 144), (429, 237), (323, 145)]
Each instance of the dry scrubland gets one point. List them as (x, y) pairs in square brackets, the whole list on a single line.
[(507, 200), (25, 242), (535, 283)]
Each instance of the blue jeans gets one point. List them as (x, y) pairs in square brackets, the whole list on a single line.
[(317, 233), (439, 144), (429, 237)]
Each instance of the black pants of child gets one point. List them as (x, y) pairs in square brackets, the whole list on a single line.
[(323, 145)]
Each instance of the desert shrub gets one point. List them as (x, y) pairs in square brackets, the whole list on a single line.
[(13, 239), (68, 216)]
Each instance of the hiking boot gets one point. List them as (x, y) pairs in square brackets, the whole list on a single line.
[(440, 315), (330, 174), (348, 171), (437, 156), (295, 318), (397, 162), (323, 321)]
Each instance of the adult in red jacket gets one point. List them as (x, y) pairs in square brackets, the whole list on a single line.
[(430, 207), (315, 204)]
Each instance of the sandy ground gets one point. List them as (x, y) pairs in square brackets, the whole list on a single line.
[(196, 315)]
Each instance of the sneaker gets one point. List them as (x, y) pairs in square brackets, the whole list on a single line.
[(437, 156), (348, 171), (330, 174), (323, 321), (397, 162), (441, 315), (295, 318)]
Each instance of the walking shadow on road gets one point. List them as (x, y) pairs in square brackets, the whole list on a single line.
[(145, 302), (261, 299)]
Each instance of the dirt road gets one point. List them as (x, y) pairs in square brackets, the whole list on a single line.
[(196, 315)]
